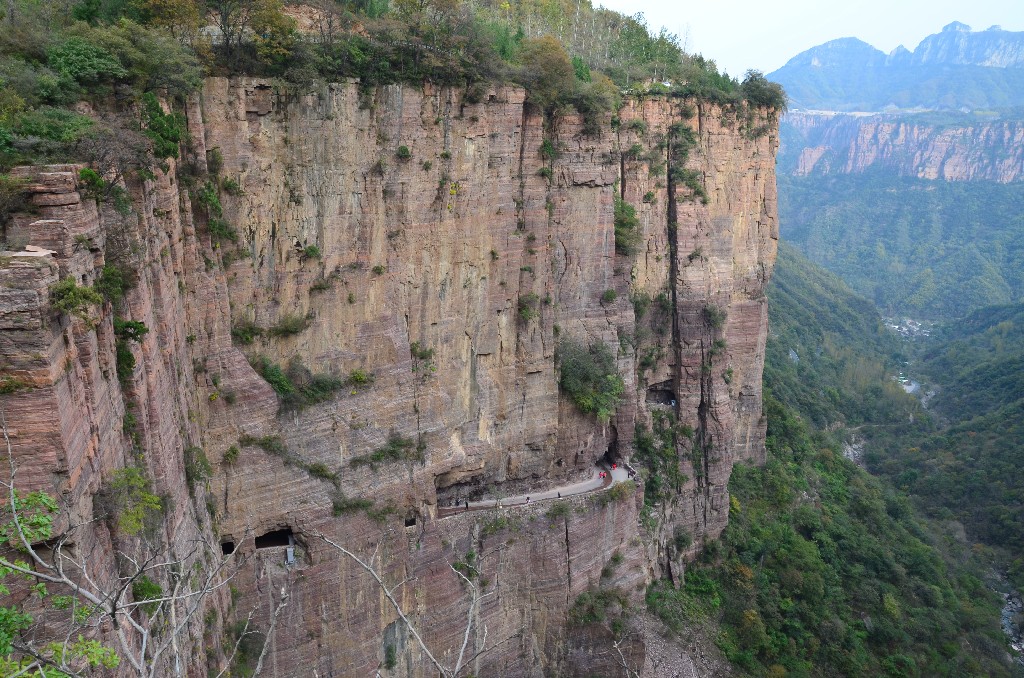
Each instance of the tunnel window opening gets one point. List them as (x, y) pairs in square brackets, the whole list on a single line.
[(227, 547), (661, 394), (275, 538), (410, 521)]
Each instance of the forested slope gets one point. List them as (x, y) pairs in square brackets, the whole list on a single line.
[(929, 249), (825, 570), (829, 355), (970, 470)]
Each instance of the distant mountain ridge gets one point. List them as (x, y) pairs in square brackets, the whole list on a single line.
[(956, 69), (949, 147), (917, 205), (957, 44)]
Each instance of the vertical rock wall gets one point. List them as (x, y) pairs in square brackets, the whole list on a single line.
[(73, 424), (475, 246)]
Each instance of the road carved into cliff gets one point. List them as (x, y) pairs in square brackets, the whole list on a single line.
[(594, 484)]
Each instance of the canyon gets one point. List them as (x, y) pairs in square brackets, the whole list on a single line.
[(828, 144), (444, 245)]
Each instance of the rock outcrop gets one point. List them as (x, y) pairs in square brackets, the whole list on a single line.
[(829, 144), (430, 252)]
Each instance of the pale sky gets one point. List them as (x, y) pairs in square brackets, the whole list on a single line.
[(765, 34)]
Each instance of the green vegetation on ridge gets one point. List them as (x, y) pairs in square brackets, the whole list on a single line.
[(924, 248), (116, 55)]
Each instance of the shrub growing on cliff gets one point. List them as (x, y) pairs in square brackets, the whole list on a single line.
[(113, 283), (588, 376), (627, 228), (656, 450), (641, 302), (270, 444), (340, 504), (9, 384), (317, 388), (13, 195), (618, 492), (124, 332), (692, 179), (97, 188), (230, 186), (601, 605), (127, 501), (357, 378), (398, 448), (528, 307), (288, 324), (422, 358), (715, 316), (761, 92), (231, 455), (197, 467), (144, 589), (245, 332), (68, 297), (547, 72), (208, 198), (273, 375), (221, 230), (165, 130), (296, 385)]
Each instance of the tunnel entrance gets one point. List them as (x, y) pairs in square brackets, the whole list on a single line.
[(275, 538), (611, 455), (661, 394)]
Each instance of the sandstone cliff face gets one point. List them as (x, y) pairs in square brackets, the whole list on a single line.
[(824, 144), (72, 424), (379, 259)]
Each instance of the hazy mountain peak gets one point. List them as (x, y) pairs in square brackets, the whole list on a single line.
[(836, 52), (957, 44), (956, 68)]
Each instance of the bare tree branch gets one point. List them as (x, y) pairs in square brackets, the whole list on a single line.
[(142, 642), (238, 644), (630, 673), (398, 608), (270, 631)]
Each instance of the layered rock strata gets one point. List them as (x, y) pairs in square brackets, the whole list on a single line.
[(829, 144), (431, 252)]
